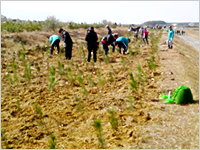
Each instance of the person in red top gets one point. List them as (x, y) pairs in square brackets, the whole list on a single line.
[(145, 35)]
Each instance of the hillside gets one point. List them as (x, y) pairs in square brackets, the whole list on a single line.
[(86, 92)]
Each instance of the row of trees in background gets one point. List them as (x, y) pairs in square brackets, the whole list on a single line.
[(51, 23)]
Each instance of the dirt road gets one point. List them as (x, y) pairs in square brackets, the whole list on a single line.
[(191, 41)]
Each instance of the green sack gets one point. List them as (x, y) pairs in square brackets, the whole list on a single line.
[(183, 95)]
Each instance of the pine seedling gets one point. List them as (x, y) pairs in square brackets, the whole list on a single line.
[(141, 76), (123, 62), (130, 101), (52, 78), (152, 64), (106, 59), (52, 141), (70, 76), (61, 70), (37, 67), (18, 105), (79, 71), (3, 138), (84, 90), (98, 52), (80, 104), (71, 62), (28, 71), (101, 141), (92, 63), (89, 79), (39, 112), (133, 83), (101, 80), (113, 120), (111, 77), (42, 51)]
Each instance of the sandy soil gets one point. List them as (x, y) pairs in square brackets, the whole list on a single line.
[(150, 124)]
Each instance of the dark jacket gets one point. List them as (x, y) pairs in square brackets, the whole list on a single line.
[(109, 31), (91, 38), (66, 37), (108, 39)]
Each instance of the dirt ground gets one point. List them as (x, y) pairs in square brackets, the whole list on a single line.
[(150, 124)]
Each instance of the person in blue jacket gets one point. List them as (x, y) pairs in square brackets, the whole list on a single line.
[(170, 37), (55, 40), (122, 42)]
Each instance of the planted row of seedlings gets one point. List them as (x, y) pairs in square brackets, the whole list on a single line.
[(137, 81)]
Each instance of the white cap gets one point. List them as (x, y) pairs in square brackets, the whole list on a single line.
[(106, 26)]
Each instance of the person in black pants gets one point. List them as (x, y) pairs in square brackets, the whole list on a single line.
[(55, 40), (91, 39), (68, 43)]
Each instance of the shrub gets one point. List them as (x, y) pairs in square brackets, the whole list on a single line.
[(51, 23)]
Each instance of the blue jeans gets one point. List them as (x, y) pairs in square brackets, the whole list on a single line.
[(105, 47)]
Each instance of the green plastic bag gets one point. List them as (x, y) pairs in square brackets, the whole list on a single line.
[(183, 95)]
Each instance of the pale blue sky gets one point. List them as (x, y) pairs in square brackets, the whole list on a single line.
[(126, 12)]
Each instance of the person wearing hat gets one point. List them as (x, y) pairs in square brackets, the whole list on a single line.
[(68, 43), (109, 30), (55, 40), (170, 37), (122, 42), (91, 39)]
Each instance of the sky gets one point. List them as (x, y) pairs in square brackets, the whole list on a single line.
[(125, 12)]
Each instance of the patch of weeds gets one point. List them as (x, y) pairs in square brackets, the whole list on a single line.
[(101, 141), (52, 141), (113, 120)]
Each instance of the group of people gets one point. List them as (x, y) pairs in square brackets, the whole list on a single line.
[(142, 31), (110, 39), (92, 44)]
